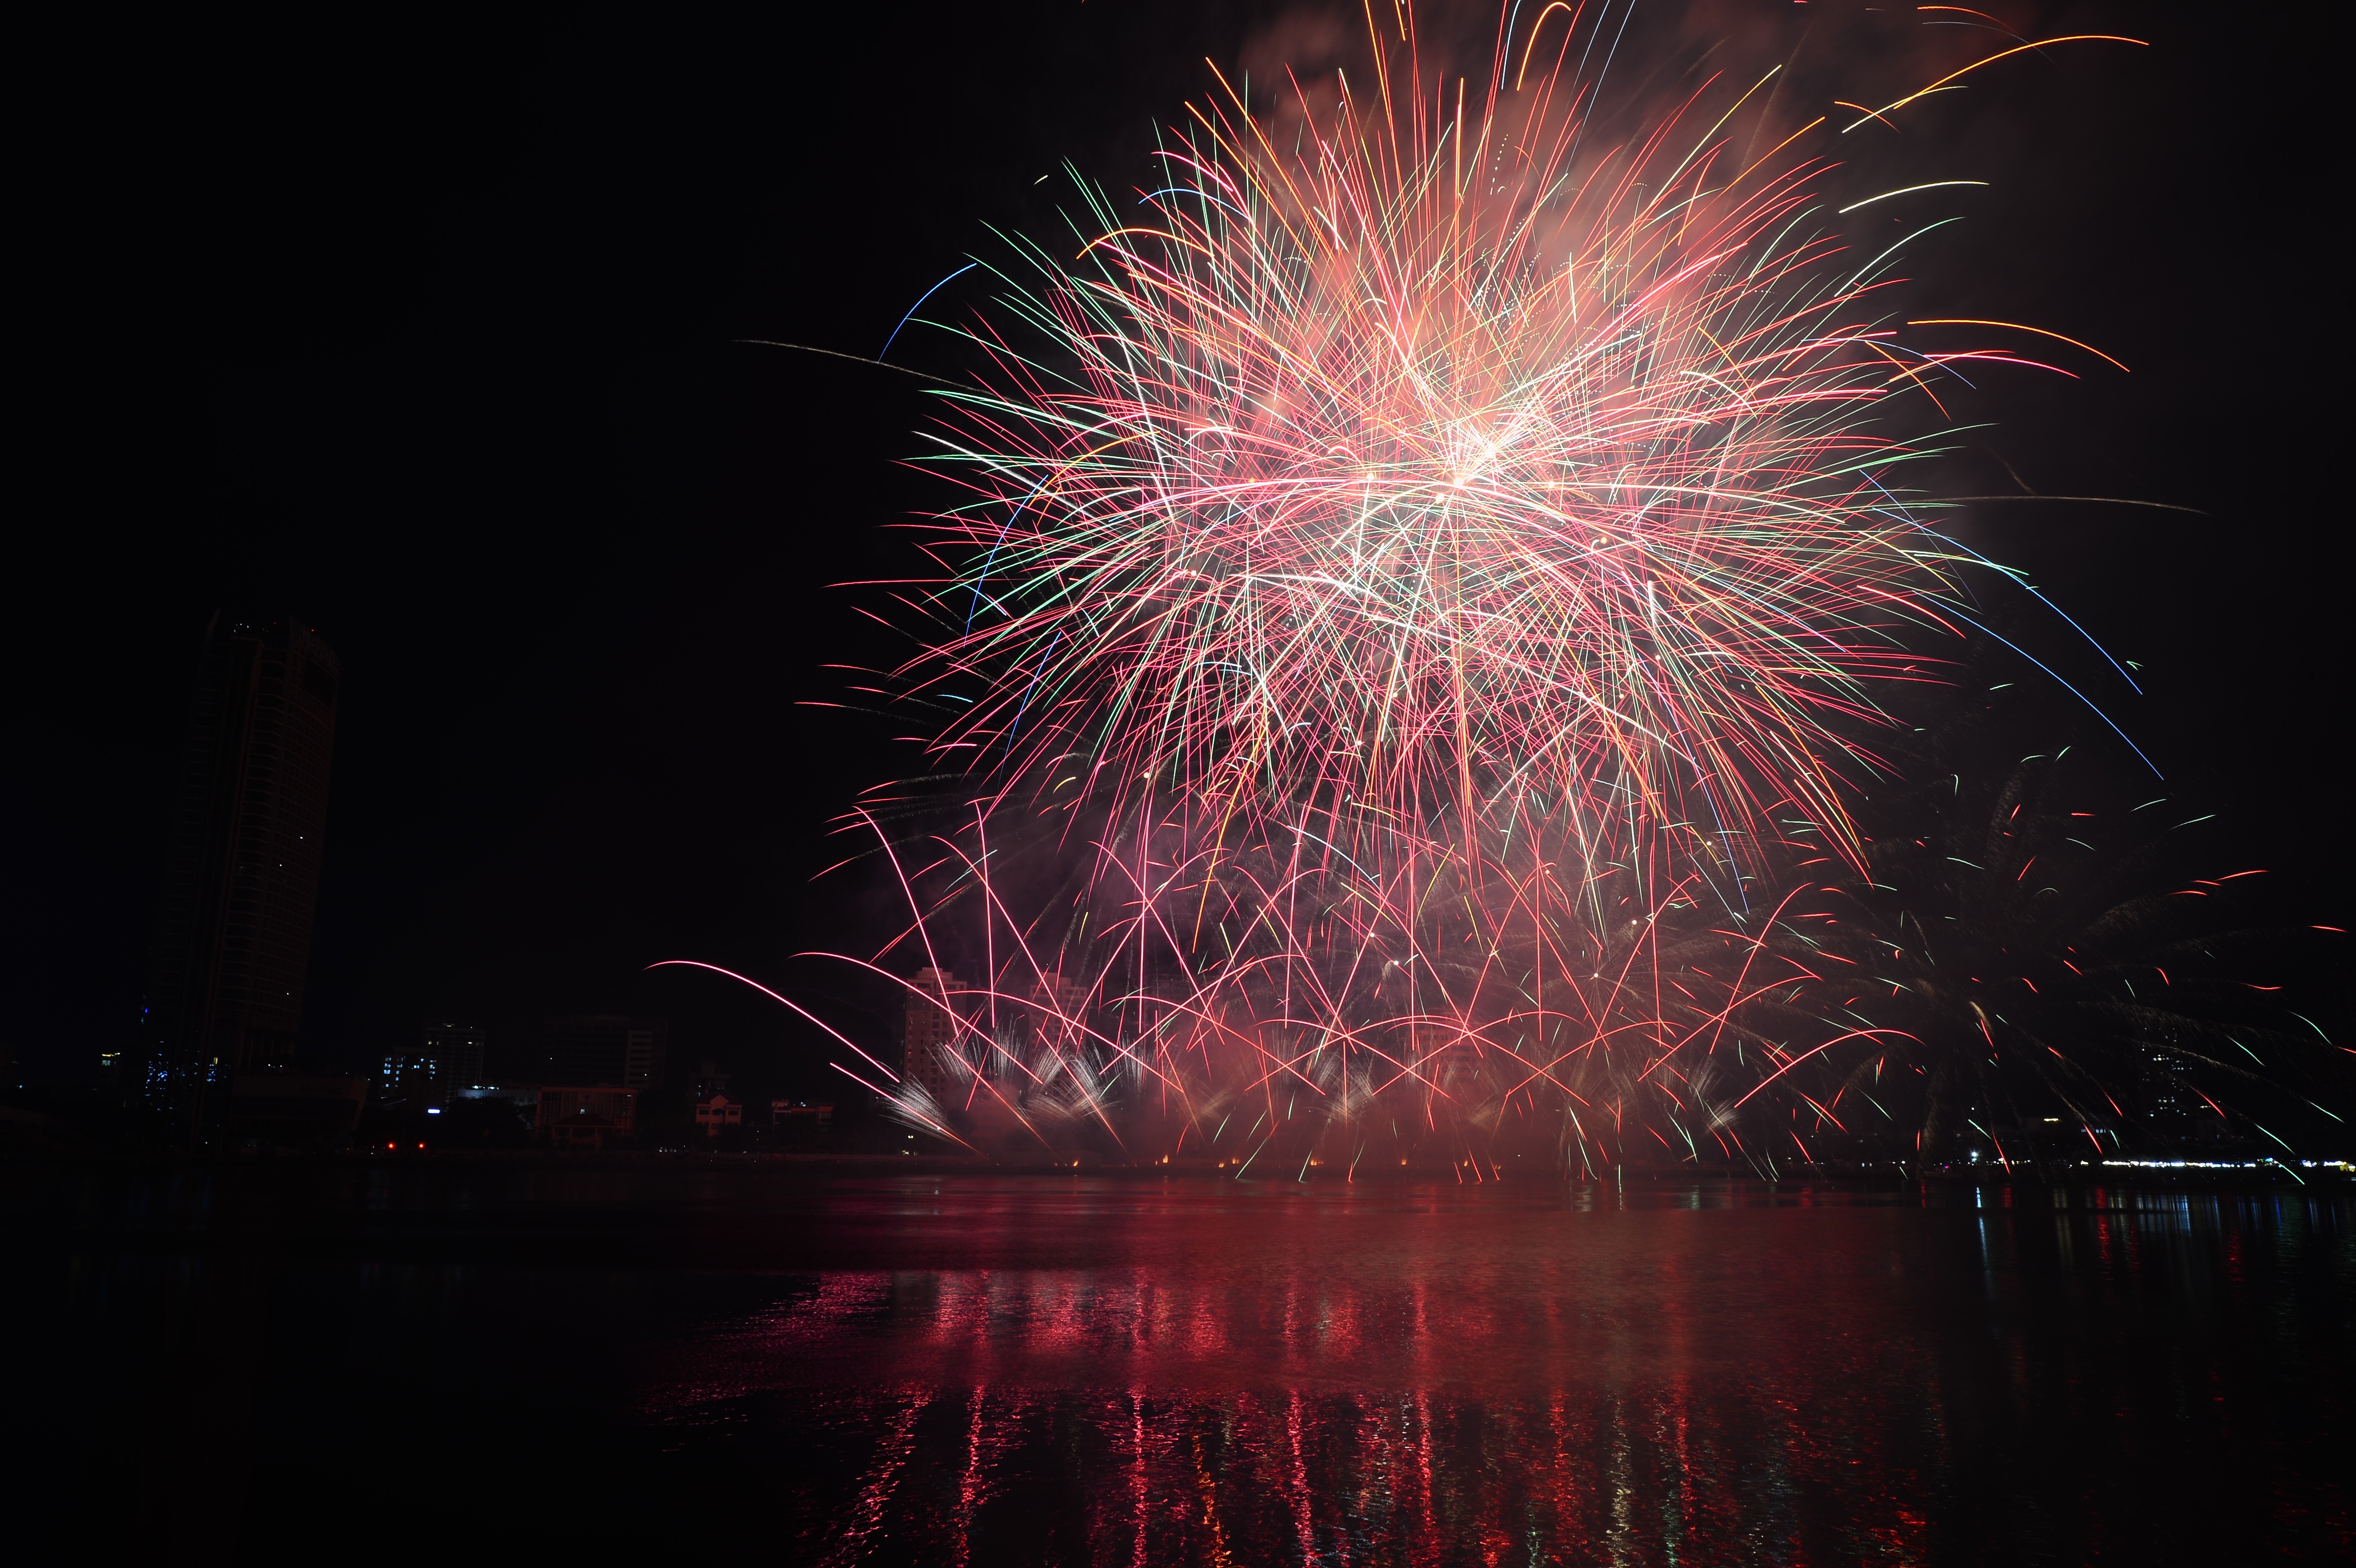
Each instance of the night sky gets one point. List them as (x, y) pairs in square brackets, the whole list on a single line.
[(418, 325)]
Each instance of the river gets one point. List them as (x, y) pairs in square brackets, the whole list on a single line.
[(931, 1370)]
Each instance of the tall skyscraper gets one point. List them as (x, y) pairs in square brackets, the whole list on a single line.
[(242, 859)]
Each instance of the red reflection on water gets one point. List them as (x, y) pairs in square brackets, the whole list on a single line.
[(1403, 1380)]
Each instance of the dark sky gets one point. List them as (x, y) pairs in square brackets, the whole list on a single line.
[(418, 324)]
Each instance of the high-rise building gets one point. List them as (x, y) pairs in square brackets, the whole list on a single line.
[(242, 860), (449, 1058), (929, 1035), (411, 1078), (460, 1050), (603, 1049), (643, 1044)]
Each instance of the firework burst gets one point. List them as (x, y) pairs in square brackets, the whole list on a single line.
[(1427, 473), (1426, 566)]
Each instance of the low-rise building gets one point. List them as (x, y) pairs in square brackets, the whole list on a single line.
[(589, 1113), (799, 1115), (717, 1112)]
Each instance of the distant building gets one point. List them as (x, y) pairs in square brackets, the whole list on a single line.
[(717, 1114), (241, 878), (798, 1116), (448, 1058), (1060, 1000), (460, 1050), (2174, 1113), (709, 1080), (523, 1097), (642, 1052), (605, 1049), (412, 1078), (573, 1115), (928, 1034), (1059, 1016)]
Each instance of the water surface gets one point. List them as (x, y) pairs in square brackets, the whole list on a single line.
[(924, 1370)]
